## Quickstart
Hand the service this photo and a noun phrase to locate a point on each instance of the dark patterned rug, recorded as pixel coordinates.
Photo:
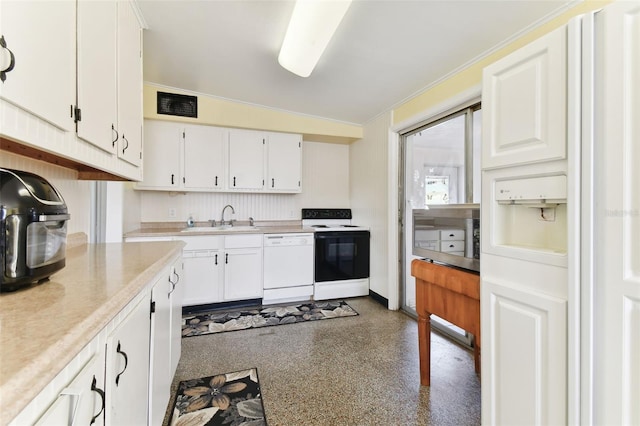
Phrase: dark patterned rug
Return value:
(265, 316)
(224, 399)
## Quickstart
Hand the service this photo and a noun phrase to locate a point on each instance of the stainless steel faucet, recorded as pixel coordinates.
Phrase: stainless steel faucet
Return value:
(222, 222)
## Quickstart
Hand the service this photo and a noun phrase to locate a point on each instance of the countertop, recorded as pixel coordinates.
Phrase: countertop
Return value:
(43, 327)
(172, 229)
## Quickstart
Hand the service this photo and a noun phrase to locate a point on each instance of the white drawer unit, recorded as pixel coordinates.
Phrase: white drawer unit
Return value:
(452, 235)
(452, 246)
(443, 240)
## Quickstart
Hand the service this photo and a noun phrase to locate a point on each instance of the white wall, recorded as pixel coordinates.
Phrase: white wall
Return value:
(76, 193)
(368, 166)
(325, 183)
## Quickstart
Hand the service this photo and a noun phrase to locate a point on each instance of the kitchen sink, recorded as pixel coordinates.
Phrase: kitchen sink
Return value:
(221, 229)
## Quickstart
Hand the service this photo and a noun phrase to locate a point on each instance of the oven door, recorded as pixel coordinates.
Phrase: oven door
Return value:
(341, 255)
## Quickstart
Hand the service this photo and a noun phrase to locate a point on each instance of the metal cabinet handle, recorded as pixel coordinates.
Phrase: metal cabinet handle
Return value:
(12, 60)
(126, 142)
(172, 179)
(273, 182)
(226, 258)
(173, 283)
(100, 392)
(234, 181)
(216, 261)
(126, 362)
(113, 129)
(216, 184)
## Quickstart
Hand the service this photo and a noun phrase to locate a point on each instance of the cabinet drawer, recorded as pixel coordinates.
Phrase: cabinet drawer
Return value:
(450, 246)
(427, 235)
(243, 241)
(451, 234)
(429, 245)
(204, 242)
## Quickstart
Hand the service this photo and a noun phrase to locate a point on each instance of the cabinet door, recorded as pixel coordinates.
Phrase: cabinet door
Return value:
(614, 235)
(284, 165)
(246, 160)
(243, 274)
(129, 85)
(203, 272)
(83, 401)
(160, 378)
(96, 58)
(41, 36)
(177, 281)
(161, 155)
(127, 368)
(524, 379)
(524, 98)
(204, 157)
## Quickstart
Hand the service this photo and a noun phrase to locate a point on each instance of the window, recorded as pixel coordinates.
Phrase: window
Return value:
(442, 160)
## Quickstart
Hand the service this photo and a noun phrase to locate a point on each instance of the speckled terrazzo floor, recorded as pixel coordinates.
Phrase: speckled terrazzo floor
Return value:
(360, 370)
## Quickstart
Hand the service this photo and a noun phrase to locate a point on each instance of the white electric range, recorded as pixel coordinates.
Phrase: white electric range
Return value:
(341, 265)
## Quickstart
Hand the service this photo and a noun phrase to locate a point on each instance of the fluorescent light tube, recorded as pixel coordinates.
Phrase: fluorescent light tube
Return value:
(312, 25)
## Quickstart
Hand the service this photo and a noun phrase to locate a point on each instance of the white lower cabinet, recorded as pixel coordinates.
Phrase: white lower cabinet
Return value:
(160, 350)
(177, 281)
(203, 268)
(123, 375)
(82, 402)
(242, 267)
(222, 268)
(127, 368)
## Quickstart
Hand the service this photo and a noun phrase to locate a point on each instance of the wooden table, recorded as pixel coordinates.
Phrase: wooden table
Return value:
(451, 294)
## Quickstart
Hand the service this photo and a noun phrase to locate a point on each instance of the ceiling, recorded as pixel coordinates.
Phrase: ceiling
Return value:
(383, 52)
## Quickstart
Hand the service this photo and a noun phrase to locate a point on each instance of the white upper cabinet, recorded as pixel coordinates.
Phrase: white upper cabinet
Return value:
(284, 162)
(110, 78)
(97, 123)
(163, 153)
(204, 157)
(129, 85)
(524, 102)
(41, 38)
(195, 157)
(246, 160)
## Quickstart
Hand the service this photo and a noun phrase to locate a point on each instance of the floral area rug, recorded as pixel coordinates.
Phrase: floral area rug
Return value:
(225, 399)
(217, 322)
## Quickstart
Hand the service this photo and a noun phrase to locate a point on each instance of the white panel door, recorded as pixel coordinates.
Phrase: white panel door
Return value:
(204, 157)
(243, 274)
(41, 36)
(284, 162)
(524, 356)
(202, 277)
(617, 216)
(127, 369)
(162, 155)
(96, 56)
(246, 160)
(524, 104)
(129, 85)
(177, 281)
(160, 353)
(82, 402)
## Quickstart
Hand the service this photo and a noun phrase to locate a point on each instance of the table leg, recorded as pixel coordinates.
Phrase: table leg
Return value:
(476, 355)
(424, 345)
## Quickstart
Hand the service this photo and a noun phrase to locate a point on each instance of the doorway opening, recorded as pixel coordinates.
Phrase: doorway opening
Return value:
(439, 164)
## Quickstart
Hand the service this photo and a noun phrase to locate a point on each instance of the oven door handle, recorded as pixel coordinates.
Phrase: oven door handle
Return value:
(53, 217)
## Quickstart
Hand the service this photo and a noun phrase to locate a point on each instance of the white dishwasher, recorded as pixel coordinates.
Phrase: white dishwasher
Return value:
(288, 267)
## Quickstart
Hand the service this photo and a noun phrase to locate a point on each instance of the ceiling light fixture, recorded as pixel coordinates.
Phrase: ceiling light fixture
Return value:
(312, 25)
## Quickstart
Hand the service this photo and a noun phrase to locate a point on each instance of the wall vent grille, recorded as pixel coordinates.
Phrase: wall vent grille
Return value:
(174, 104)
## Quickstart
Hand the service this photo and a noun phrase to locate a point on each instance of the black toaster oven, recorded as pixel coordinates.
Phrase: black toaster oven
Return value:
(33, 229)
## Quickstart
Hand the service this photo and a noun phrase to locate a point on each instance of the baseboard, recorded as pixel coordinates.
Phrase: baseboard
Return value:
(222, 305)
(380, 299)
